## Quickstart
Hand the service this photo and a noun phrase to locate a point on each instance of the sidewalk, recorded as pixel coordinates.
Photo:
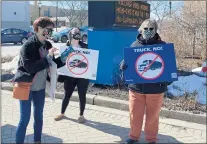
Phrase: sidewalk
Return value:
(104, 125)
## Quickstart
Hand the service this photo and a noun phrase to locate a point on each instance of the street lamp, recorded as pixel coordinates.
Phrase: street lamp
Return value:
(56, 15)
(39, 5)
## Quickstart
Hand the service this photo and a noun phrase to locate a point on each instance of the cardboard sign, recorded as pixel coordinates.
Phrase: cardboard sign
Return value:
(150, 64)
(80, 64)
(51, 86)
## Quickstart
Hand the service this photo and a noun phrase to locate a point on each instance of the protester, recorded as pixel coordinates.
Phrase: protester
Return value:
(70, 83)
(148, 96)
(36, 55)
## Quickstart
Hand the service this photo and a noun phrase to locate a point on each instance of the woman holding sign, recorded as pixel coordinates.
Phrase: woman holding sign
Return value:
(36, 55)
(70, 83)
(148, 96)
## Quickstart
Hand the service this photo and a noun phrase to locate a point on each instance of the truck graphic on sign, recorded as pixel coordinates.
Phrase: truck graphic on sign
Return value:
(154, 66)
(77, 63)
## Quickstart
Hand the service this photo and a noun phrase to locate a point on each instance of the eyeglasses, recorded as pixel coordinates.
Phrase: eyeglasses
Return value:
(151, 29)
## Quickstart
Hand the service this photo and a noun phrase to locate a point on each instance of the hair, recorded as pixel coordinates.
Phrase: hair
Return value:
(42, 22)
(152, 22)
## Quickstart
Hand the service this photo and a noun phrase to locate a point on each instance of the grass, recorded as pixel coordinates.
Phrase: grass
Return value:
(188, 64)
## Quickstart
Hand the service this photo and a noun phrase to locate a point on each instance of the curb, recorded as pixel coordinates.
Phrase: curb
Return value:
(123, 105)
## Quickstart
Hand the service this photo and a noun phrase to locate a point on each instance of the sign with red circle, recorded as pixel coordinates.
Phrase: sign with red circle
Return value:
(77, 64)
(149, 66)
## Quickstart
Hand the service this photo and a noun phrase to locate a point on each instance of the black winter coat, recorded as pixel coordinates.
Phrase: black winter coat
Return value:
(30, 61)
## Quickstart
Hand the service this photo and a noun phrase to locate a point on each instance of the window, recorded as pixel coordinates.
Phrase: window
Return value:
(46, 13)
(16, 31)
(7, 31)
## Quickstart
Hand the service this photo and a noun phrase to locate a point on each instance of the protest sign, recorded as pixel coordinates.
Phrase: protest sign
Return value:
(150, 64)
(51, 86)
(82, 63)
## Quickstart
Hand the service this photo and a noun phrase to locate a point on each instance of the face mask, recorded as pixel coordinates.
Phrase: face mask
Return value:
(148, 33)
(76, 36)
(46, 32)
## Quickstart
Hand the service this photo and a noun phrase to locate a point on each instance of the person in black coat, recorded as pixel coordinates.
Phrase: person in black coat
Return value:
(36, 55)
(147, 96)
(70, 82)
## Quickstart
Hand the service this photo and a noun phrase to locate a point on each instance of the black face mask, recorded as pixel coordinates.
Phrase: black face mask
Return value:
(77, 36)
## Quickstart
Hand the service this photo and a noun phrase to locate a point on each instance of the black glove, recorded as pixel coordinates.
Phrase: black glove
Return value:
(123, 66)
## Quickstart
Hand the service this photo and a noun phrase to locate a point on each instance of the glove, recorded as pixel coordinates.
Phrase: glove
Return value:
(66, 53)
(123, 66)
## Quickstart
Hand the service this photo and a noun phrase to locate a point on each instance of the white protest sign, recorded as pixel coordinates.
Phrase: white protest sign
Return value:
(82, 63)
(51, 86)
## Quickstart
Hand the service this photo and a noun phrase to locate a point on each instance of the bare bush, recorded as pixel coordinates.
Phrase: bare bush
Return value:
(186, 28)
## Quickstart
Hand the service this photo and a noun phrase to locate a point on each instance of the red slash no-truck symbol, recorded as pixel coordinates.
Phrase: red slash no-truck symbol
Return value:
(77, 64)
(149, 66)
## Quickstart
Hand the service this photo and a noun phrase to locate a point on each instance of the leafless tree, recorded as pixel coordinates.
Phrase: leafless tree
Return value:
(82, 12)
(192, 20)
(74, 11)
(159, 10)
(70, 9)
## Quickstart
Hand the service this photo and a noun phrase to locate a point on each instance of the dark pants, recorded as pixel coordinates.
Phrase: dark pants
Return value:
(69, 86)
(38, 98)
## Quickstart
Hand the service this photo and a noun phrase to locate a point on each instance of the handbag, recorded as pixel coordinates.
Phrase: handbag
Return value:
(21, 90)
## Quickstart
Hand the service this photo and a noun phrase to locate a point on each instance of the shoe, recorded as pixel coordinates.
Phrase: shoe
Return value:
(37, 142)
(131, 141)
(81, 119)
(59, 117)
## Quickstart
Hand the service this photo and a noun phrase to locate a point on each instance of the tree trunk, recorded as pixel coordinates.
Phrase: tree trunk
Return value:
(194, 40)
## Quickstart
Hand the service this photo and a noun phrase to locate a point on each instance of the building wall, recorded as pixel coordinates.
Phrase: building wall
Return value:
(50, 11)
(15, 14)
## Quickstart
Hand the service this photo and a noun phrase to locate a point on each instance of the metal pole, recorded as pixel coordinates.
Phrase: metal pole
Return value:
(170, 7)
(56, 15)
(39, 11)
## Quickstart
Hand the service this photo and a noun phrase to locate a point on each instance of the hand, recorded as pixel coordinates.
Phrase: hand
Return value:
(66, 53)
(52, 51)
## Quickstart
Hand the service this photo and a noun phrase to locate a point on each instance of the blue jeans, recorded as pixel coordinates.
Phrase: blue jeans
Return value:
(38, 98)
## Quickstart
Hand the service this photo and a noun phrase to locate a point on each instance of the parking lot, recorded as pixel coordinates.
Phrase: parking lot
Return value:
(13, 50)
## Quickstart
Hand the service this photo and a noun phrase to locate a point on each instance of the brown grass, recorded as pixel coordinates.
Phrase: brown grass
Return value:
(188, 64)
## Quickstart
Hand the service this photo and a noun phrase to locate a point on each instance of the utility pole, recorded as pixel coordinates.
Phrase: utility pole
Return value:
(170, 7)
(56, 15)
(40, 5)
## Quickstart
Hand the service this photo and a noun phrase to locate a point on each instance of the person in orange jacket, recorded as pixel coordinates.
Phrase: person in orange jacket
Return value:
(145, 97)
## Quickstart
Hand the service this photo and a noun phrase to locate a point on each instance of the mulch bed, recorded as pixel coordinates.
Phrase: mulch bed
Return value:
(184, 103)
(187, 104)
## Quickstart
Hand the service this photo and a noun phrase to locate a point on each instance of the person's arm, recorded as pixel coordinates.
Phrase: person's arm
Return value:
(58, 61)
(29, 65)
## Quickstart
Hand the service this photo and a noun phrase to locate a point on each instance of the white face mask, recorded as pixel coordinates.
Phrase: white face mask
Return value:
(148, 33)
(148, 30)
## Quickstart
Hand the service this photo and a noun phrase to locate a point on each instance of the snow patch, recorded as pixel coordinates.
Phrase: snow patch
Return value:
(189, 84)
(11, 66)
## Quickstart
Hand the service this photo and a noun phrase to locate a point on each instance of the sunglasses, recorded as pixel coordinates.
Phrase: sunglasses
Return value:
(151, 29)
(49, 29)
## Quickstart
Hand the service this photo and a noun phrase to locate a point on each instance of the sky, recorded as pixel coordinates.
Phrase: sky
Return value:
(175, 5)
(49, 3)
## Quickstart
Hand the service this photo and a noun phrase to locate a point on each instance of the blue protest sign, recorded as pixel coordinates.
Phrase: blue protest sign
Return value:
(150, 64)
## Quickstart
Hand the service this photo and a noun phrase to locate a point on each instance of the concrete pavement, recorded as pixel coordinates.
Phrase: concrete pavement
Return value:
(104, 125)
